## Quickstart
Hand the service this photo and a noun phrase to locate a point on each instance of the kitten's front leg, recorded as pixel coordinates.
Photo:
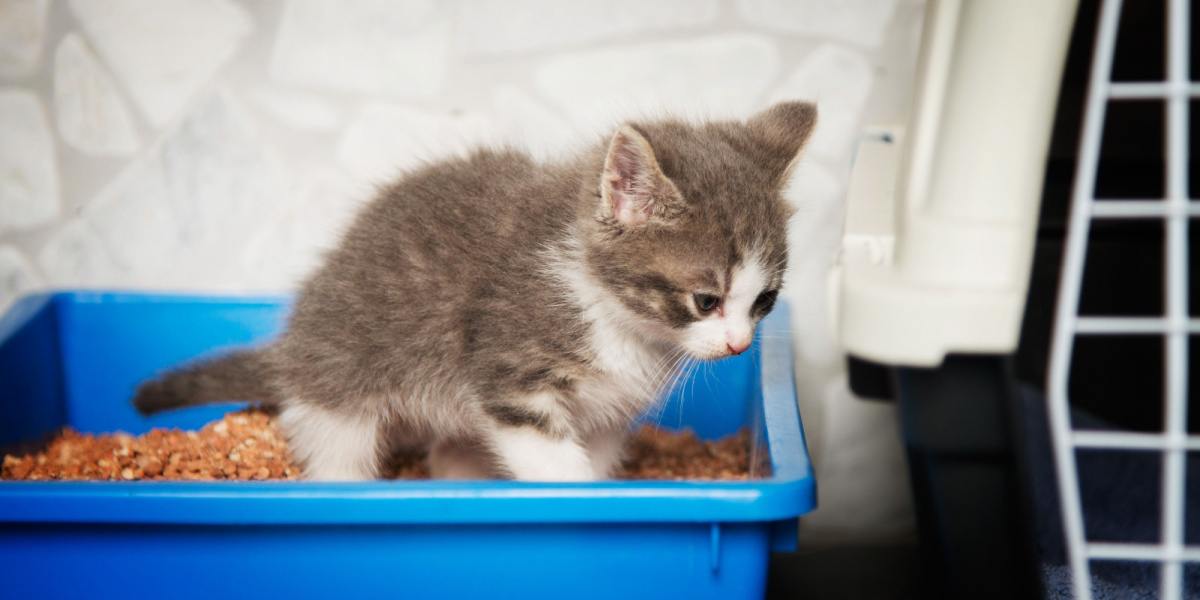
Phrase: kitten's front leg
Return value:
(332, 445)
(606, 450)
(530, 454)
(532, 441)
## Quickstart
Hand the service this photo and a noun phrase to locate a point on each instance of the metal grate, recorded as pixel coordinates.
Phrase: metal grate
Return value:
(1174, 326)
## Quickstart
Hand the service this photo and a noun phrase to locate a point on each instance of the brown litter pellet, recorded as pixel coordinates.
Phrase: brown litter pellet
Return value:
(655, 453)
(247, 445)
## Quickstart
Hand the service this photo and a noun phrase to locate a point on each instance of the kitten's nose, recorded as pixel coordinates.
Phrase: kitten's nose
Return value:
(738, 349)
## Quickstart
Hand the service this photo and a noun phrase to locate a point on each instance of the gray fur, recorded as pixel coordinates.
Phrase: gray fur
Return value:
(241, 375)
(441, 310)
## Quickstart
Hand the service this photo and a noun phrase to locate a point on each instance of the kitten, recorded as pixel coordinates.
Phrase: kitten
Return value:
(516, 318)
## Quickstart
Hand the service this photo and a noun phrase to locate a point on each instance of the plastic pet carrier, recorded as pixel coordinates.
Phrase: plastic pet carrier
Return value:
(1025, 292)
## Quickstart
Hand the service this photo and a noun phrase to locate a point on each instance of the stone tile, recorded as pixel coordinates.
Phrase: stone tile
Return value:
(17, 276)
(383, 140)
(28, 166)
(164, 51)
(839, 80)
(525, 122)
(397, 48)
(290, 247)
(717, 76)
(859, 22)
(299, 110)
(22, 33)
(76, 257)
(181, 214)
(491, 26)
(92, 116)
(133, 218)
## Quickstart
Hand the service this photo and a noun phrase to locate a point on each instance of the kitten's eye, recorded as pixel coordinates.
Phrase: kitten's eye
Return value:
(765, 301)
(706, 302)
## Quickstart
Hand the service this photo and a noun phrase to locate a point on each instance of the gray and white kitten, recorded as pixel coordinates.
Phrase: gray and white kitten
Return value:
(515, 318)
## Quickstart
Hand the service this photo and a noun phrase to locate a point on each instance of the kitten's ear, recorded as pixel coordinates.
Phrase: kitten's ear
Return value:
(783, 130)
(633, 189)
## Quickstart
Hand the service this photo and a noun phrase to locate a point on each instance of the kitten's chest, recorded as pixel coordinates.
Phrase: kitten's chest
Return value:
(624, 380)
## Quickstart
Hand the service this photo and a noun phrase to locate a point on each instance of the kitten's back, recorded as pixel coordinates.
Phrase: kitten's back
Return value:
(449, 243)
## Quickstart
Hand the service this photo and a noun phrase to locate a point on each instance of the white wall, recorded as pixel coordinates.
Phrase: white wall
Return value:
(218, 145)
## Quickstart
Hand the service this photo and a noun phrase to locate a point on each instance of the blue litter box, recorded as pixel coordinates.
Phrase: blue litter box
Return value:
(74, 359)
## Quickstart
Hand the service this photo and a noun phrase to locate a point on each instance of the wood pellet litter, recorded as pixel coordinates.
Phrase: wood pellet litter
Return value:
(247, 445)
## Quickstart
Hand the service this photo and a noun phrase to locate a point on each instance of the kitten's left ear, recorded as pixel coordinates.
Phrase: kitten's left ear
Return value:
(783, 130)
(633, 188)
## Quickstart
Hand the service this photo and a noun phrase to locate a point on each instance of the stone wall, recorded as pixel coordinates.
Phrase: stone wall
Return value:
(219, 145)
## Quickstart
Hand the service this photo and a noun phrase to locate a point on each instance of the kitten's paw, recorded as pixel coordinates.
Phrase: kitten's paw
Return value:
(530, 455)
(606, 451)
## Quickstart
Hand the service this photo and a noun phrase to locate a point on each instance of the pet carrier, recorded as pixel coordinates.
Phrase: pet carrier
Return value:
(937, 294)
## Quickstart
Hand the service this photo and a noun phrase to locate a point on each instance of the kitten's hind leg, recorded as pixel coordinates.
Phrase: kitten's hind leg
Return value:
(331, 445)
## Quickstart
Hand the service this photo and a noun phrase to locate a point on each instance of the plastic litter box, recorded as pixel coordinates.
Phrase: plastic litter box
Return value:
(74, 359)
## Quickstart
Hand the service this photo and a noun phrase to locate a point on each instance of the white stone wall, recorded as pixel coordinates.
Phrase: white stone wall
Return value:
(219, 145)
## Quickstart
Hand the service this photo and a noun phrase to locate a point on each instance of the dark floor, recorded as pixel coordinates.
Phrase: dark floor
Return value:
(879, 572)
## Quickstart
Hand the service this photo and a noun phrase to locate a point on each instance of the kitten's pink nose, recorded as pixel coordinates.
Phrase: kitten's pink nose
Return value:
(739, 348)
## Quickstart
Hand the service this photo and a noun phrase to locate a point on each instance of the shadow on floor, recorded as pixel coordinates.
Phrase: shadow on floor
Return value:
(877, 572)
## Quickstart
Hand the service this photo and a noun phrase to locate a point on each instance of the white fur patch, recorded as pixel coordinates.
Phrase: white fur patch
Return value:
(533, 456)
(733, 325)
(331, 445)
(605, 450)
(627, 352)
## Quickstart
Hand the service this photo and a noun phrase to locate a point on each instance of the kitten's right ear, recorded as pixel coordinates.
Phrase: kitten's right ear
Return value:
(633, 188)
(783, 130)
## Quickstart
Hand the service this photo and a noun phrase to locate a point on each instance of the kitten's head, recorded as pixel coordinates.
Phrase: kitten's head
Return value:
(689, 230)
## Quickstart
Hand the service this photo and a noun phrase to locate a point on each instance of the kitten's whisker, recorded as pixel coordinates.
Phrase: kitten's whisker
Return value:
(707, 374)
(658, 380)
(691, 369)
(662, 369)
(673, 380)
(676, 376)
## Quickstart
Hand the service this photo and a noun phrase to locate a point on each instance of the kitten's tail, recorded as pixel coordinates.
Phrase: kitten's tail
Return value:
(239, 375)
